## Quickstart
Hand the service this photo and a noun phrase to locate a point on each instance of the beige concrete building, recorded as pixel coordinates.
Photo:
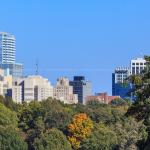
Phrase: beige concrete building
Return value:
(35, 88)
(17, 94)
(5, 82)
(64, 92)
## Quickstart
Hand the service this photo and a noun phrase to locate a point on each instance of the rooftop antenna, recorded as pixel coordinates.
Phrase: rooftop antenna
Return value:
(37, 68)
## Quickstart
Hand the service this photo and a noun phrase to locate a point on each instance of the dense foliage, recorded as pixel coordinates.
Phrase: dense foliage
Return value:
(53, 125)
(79, 129)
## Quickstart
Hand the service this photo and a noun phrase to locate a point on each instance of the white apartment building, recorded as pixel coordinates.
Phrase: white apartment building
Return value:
(34, 88)
(64, 92)
(137, 65)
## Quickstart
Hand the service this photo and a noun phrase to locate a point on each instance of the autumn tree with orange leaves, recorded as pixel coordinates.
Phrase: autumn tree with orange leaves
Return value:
(79, 129)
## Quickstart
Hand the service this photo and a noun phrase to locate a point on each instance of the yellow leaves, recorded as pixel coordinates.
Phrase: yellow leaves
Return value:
(74, 142)
(79, 129)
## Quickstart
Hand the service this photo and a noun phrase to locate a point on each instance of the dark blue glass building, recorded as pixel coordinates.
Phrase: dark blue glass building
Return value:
(82, 88)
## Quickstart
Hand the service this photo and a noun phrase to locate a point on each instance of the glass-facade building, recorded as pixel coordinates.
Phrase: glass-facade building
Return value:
(119, 86)
(16, 69)
(7, 48)
(82, 88)
(7, 55)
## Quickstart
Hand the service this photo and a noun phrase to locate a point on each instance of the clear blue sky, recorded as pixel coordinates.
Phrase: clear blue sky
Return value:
(77, 37)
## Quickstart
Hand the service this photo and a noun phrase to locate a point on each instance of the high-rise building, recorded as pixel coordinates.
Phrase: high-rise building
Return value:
(64, 92)
(7, 55)
(82, 88)
(119, 86)
(7, 48)
(137, 65)
(33, 88)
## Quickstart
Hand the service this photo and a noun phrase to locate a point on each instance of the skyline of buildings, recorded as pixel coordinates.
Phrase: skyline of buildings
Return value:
(34, 87)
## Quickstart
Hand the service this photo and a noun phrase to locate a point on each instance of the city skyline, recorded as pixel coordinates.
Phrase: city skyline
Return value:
(67, 46)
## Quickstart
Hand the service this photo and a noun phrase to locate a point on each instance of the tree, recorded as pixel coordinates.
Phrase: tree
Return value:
(56, 114)
(79, 129)
(129, 132)
(7, 117)
(140, 109)
(141, 91)
(11, 140)
(29, 114)
(102, 138)
(118, 102)
(52, 139)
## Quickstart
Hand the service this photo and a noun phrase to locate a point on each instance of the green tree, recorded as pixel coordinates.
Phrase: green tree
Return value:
(129, 132)
(7, 117)
(118, 102)
(102, 138)
(52, 139)
(140, 109)
(11, 140)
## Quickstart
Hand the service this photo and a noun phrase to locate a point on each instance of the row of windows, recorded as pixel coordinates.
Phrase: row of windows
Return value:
(137, 68)
(139, 63)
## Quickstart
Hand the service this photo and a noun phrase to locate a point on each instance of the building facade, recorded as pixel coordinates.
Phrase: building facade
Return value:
(137, 65)
(7, 48)
(82, 88)
(5, 83)
(64, 92)
(16, 70)
(8, 56)
(16, 94)
(119, 85)
(33, 88)
(102, 98)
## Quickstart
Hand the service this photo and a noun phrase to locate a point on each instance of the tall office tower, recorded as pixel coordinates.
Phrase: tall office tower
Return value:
(137, 65)
(82, 88)
(64, 92)
(119, 87)
(7, 55)
(7, 48)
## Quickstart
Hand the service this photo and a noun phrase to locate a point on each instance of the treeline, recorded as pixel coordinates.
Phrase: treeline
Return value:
(52, 125)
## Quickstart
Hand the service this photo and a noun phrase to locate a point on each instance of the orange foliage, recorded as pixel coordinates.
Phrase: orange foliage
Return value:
(79, 129)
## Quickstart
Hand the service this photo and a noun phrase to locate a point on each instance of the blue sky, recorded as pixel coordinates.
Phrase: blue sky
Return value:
(77, 37)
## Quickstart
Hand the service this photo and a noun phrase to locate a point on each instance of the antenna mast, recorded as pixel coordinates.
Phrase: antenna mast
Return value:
(37, 68)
